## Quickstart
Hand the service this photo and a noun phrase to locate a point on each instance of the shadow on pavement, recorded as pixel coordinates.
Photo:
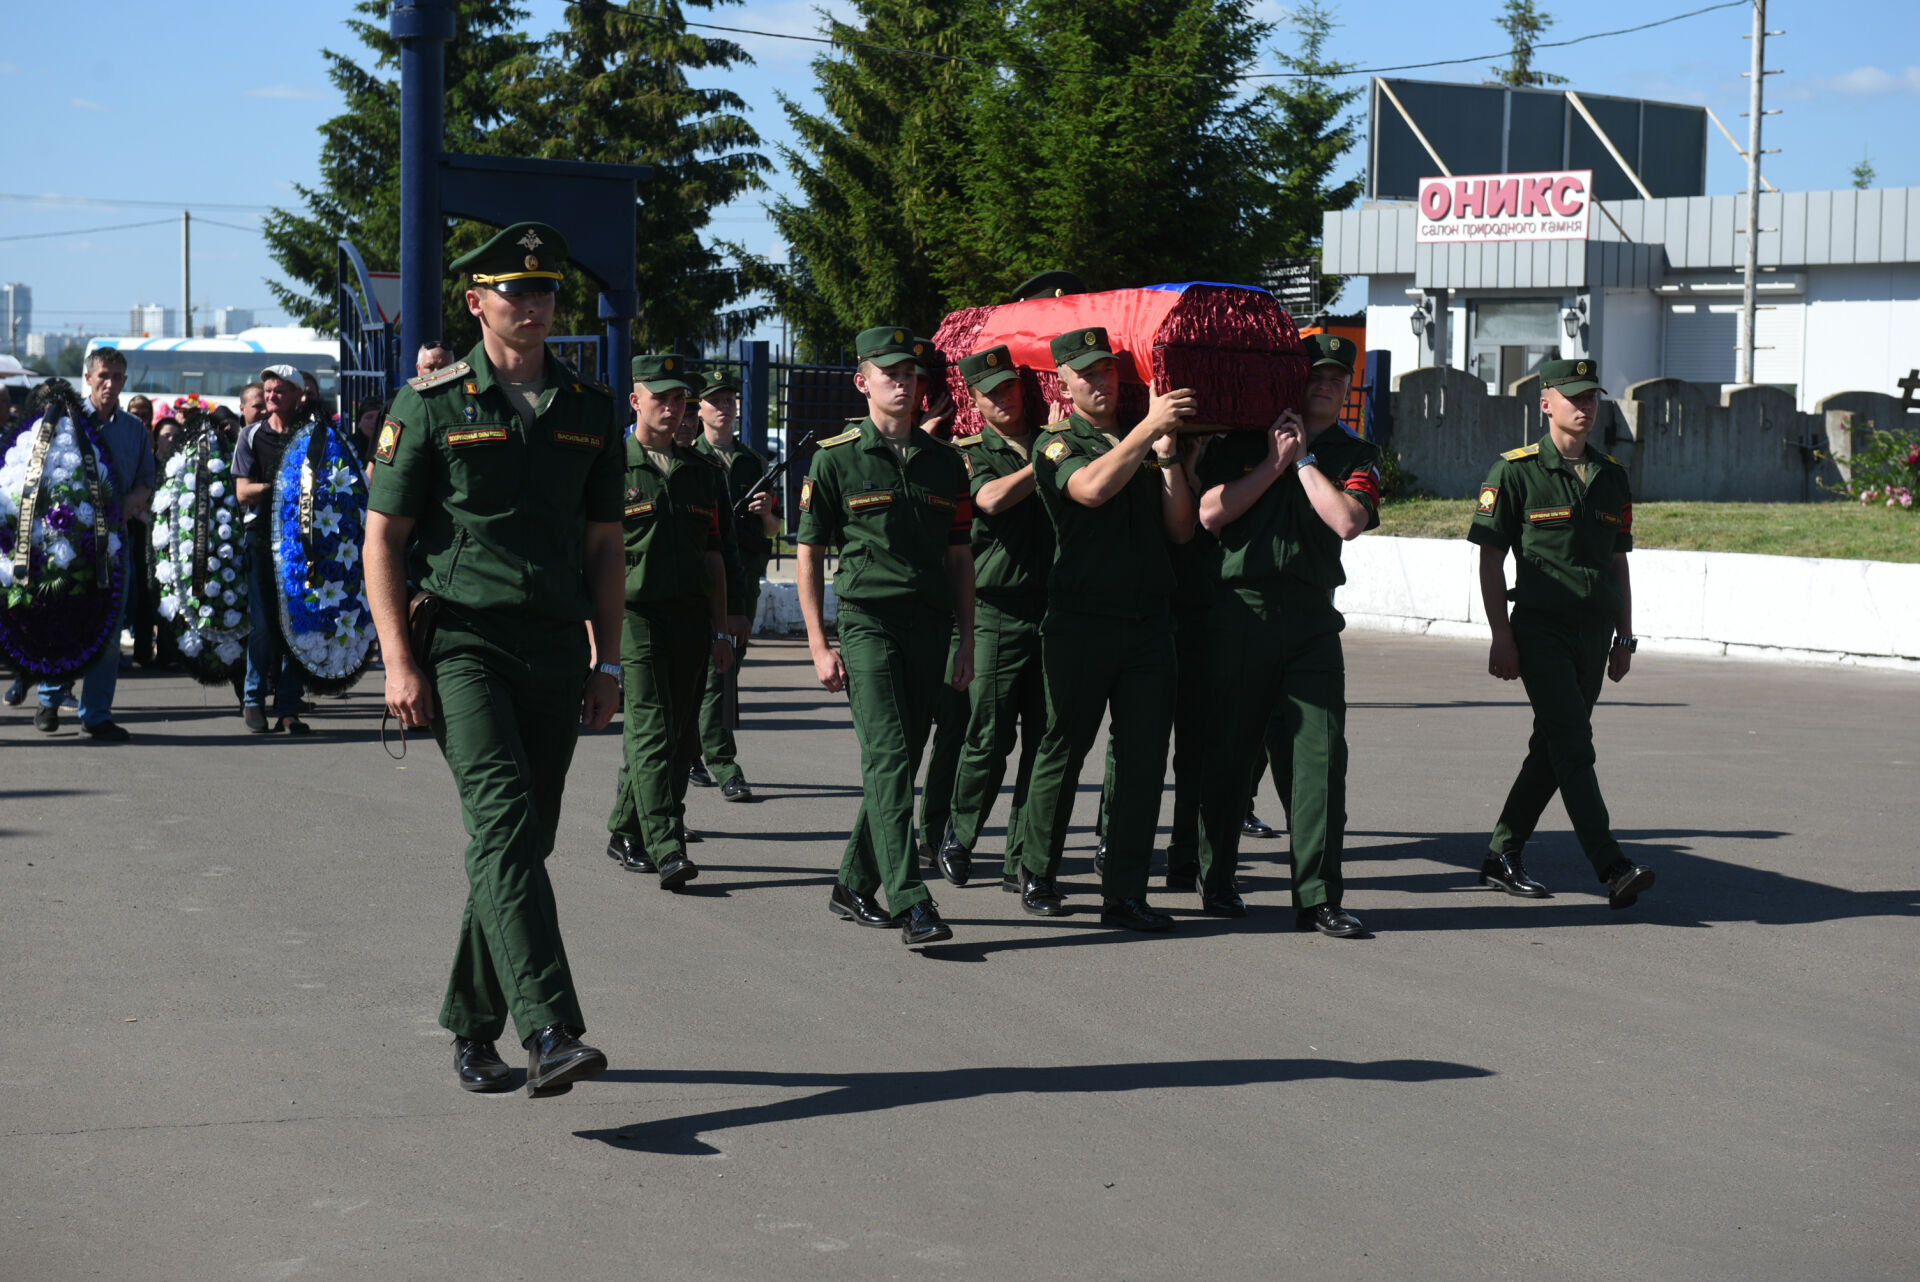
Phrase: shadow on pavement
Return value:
(843, 1094)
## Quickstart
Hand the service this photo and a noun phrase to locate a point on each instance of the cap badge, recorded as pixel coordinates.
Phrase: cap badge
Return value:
(667, 364)
(899, 335)
(1089, 340)
(1581, 368)
(993, 358)
(531, 240)
(531, 262)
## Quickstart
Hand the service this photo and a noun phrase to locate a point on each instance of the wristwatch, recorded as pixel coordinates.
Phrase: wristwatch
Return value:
(1302, 461)
(610, 669)
(724, 636)
(1631, 643)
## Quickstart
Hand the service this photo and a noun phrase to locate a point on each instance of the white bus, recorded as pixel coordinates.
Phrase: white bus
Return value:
(217, 368)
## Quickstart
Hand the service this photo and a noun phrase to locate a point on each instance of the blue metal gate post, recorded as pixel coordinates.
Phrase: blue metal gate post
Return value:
(1378, 412)
(618, 307)
(755, 390)
(423, 28)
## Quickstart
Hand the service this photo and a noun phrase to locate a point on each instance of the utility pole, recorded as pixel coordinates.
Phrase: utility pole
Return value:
(186, 273)
(1756, 96)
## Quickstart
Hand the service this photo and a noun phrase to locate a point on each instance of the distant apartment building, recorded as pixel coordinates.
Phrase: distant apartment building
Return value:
(16, 310)
(154, 320)
(231, 320)
(46, 343)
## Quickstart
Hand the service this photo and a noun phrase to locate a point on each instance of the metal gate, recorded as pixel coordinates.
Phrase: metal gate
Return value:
(369, 347)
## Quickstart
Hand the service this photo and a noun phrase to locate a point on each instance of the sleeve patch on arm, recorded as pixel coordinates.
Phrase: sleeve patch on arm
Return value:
(1489, 495)
(1366, 484)
(806, 495)
(389, 440)
(1056, 450)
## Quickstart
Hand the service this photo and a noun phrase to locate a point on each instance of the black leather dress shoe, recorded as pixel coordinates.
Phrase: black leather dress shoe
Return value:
(556, 1059)
(1183, 879)
(1134, 914)
(676, 870)
(921, 924)
(735, 789)
(689, 836)
(698, 776)
(1100, 858)
(629, 854)
(1329, 920)
(107, 732)
(956, 861)
(1252, 827)
(1040, 895)
(1223, 903)
(480, 1067)
(1625, 881)
(864, 909)
(1506, 872)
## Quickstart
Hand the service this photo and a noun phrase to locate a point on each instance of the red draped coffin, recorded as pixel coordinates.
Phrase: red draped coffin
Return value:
(1235, 347)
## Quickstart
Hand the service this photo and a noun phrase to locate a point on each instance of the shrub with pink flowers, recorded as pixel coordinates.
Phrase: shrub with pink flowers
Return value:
(1885, 471)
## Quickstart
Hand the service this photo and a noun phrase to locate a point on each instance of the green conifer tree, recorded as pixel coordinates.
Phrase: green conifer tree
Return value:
(1524, 25)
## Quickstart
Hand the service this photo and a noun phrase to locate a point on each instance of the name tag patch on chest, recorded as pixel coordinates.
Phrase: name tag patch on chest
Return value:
(940, 501)
(583, 440)
(476, 435)
(640, 509)
(856, 502)
(1549, 515)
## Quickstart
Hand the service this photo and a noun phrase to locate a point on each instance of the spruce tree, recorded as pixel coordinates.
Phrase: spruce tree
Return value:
(1305, 139)
(1524, 25)
(358, 195)
(611, 86)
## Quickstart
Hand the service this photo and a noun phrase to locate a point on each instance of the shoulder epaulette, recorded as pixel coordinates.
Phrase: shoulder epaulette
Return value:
(962, 442)
(841, 439)
(457, 370)
(1605, 457)
(1525, 451)
(1061, 426)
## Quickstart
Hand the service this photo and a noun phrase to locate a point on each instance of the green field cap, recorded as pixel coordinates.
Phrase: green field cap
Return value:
(1331, 349)
(662, 371)
(1571, 378)
(719, 380)
(526, 258)
(1080, 348)
(986, 370)
(886, 345)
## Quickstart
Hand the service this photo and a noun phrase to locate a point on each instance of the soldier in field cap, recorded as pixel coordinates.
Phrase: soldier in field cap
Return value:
(895, 500)
(503, 473)
(1563, 509)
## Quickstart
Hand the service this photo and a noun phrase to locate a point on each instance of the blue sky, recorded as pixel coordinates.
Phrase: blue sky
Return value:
(214, 105)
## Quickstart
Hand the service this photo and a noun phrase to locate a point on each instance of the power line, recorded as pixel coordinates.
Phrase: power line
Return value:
(111, 201)
(88, 231)
(1185, 75)
(214, 222)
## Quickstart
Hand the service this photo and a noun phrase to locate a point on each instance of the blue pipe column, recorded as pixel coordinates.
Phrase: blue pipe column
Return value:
(423, 28)
(754, 389)
(618, 307)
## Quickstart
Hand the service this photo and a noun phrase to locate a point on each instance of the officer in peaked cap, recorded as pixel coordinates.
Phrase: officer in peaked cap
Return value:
(1564, 510)
(895, 500)
(504, 472)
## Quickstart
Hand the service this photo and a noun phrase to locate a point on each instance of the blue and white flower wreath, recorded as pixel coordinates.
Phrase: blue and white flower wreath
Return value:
(319, 513)
(197, 557)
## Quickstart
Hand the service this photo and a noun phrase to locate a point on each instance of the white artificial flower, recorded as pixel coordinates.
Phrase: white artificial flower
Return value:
(185, 548)
(176, 465)
(330, 595)
(225, 532)
(226, 573)
(346, 628)
(217, 488)
(327, 522)
(6, 572)
(191, 644)
(162, 502)
(205, 612)
(113, 545)
(83, 512)
(231, 619)
(170, 604)
(166, 572)
(61, 553)
(9, 506)
(230, 596)
(349, 555)
(216, 466)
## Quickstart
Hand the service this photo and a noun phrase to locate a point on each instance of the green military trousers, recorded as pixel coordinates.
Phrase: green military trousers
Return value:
(895, 656)
(1009, 685)
(665, 653)
(506, 716)
(951, 711)
(1562, 665)
(1094, 663)
(716, 736)
(1277, 657)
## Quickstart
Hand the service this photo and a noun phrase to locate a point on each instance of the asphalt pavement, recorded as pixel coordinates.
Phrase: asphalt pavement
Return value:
(224, 955)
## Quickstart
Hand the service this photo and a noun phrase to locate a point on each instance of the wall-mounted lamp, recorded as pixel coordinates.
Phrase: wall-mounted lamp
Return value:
(1574, 317)
(1421, 318)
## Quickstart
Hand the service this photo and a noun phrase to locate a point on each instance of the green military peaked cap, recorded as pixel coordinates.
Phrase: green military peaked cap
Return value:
(1331, 349)
(719, 380)
(1080, 348)
(1572, 377)
(986, 370)
(662, 371)
(525, 258)
(886, 345)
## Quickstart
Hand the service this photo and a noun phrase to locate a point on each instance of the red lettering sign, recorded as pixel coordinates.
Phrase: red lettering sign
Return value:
(1504, 207)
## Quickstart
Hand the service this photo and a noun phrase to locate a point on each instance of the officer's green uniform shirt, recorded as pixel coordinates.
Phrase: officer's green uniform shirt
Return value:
(1280, 541)
(743, 468)
(1112, 559)
(893, 518)
(670, 522)
(1012, 548)
(716, 469)
(1563, 533)
(501, 507)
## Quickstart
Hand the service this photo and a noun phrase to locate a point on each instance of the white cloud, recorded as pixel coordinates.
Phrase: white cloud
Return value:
(295, 92)
(87, 104)
(1862, 82)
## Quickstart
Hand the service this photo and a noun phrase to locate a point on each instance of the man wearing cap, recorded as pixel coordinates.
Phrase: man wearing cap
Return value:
(719, 411)
(271, 668)
(895, 500)
(1281, 503)
(505, 471)
(1012, 555)
(1115, 503)
(675, 621)
(1564, 510)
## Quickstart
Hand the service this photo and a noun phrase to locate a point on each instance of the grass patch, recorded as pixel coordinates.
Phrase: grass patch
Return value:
(1843, 531)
